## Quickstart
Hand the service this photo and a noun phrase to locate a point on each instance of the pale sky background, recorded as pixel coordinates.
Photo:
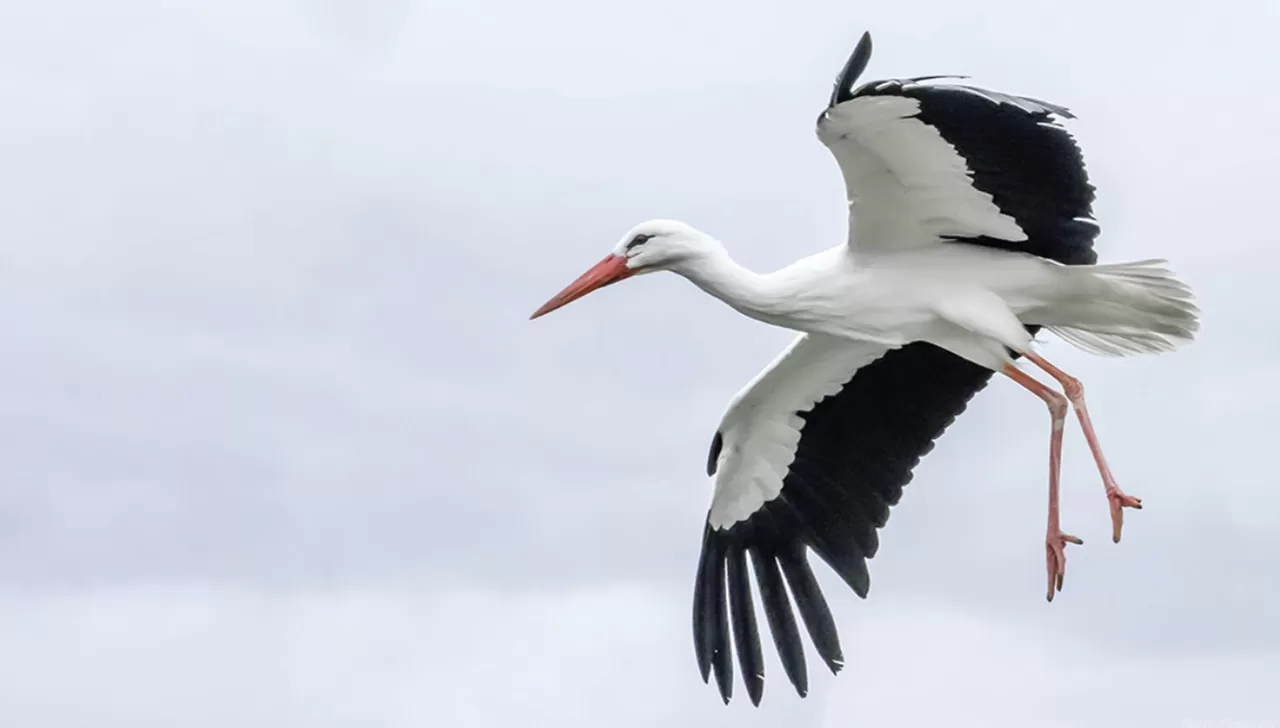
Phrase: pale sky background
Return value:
(278, 446)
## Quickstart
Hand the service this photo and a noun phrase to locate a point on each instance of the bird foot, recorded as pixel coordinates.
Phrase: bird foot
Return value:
(1055, 542)
(1119, 500)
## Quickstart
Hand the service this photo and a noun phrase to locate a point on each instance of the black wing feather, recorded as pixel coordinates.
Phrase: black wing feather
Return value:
(746, 636)
(782, 623)
(853, 68)
(713, 456)
(823, 497)
(818, 621)
(710, 622)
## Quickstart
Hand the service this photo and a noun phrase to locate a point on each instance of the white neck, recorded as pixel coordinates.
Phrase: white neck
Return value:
(745, 290)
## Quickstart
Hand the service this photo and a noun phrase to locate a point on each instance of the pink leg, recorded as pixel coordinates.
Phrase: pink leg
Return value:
(1055, 540)
(1117, 498)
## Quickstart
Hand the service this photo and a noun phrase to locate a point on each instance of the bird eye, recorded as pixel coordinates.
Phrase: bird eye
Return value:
(638, 240)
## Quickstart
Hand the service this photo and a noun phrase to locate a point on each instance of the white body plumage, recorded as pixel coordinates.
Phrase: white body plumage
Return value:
(967, 299)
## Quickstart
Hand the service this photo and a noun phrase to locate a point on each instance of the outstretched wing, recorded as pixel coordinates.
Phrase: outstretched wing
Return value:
(926, 161)
(809, 457)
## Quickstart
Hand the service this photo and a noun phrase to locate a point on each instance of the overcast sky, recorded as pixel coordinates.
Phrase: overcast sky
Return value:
(278, 446)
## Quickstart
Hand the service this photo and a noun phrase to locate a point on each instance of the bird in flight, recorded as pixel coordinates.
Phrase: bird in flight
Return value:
(970, 231)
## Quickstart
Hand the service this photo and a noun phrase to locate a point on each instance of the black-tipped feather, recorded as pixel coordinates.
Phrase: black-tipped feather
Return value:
(722, 659)
(782, 622)
(713, 456)
(743, 612)
(853, 68)
(704, 637)
(812, 606)
(710, 619)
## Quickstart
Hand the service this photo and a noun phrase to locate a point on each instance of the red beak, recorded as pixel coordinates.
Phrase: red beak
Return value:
(610, 270)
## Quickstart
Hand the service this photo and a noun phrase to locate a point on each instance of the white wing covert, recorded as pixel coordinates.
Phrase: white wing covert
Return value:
(926, 162)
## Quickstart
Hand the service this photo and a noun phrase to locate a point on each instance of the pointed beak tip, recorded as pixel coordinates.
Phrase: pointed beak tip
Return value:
(610, 270)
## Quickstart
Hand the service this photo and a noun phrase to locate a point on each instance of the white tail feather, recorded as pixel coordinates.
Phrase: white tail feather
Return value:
(1121, 309)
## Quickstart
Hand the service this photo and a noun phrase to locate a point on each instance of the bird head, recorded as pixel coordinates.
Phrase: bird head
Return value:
(650, 246)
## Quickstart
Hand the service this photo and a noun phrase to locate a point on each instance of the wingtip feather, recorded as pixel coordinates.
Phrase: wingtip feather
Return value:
(853, 68)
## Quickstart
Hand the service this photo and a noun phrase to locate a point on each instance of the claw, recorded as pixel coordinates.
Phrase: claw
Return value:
(1119, 500)
(1056, 558)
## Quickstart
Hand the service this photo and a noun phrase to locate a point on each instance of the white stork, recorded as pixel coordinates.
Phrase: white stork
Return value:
(970, 230)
